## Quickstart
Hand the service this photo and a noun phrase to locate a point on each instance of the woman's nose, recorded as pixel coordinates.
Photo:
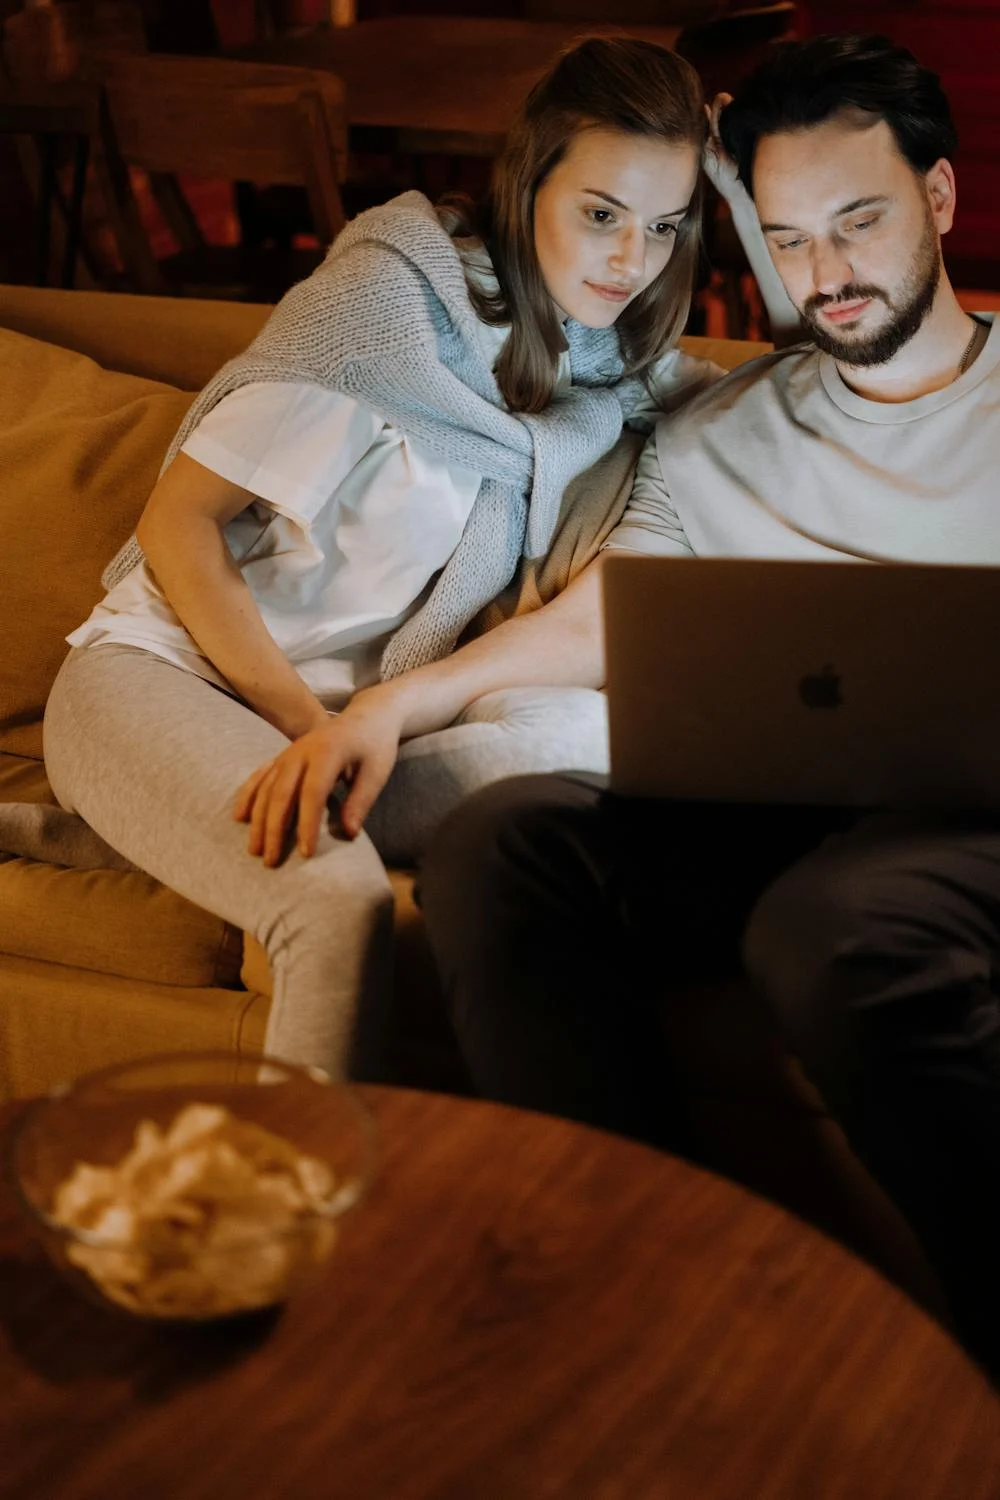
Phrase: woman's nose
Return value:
(628, 256)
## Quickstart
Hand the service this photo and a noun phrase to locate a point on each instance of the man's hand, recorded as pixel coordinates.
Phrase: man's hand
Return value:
(716, 163)
(357, 748)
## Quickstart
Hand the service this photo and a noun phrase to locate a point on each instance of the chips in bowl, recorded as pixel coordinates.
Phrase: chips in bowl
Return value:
(193, 1186)
(214, 1215)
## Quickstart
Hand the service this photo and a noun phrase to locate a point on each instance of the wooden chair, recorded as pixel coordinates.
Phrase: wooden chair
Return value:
(216, 118)
(53, 114)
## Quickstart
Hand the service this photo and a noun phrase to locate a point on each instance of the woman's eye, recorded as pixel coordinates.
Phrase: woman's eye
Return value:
(599, 215)
(664, 230)
(863, 224)
(788, 244)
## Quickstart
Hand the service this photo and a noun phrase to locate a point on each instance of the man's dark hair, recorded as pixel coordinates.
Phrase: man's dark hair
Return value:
(804, 83)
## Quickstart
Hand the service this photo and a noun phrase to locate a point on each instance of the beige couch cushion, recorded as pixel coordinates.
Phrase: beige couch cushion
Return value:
(107, 921)
(80, 448)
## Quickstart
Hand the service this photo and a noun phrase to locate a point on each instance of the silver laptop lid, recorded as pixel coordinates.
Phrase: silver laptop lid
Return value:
(829, 683)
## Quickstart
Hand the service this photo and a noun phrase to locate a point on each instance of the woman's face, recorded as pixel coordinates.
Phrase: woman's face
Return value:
(606, 218)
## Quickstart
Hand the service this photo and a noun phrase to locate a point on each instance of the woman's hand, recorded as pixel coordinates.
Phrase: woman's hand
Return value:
(357, 748)
(716, 163)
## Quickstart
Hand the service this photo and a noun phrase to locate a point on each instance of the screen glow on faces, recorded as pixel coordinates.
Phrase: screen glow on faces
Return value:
(606, 218)
(854, 233)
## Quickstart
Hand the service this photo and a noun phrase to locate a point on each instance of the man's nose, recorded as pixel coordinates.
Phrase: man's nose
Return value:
(628, 255)
(831, 266)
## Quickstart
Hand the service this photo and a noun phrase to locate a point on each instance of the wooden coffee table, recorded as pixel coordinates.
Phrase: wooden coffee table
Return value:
(522, 1308)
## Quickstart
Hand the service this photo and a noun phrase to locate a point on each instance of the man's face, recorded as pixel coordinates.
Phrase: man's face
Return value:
(854, 232)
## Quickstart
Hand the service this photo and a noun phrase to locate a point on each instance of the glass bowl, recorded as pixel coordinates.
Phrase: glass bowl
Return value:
(195, 1185)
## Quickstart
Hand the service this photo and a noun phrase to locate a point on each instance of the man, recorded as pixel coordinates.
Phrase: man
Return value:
(877, 943)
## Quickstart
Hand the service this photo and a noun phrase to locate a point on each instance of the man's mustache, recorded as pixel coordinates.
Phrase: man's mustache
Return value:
(856, 292)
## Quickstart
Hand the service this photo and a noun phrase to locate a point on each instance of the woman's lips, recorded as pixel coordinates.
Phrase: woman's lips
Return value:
(846, 312)
(610, 293)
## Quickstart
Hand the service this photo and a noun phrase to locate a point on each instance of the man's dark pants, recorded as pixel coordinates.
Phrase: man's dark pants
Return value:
(549, 905)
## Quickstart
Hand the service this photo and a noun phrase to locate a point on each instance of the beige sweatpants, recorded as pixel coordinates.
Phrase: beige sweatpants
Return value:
(152, 756)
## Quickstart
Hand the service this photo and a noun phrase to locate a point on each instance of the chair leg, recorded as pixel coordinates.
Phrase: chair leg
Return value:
(74, 212)
(137, 258)
(176, 210)
(47, 147)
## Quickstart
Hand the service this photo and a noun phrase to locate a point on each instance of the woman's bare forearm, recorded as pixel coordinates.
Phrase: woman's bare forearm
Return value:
(196, 571)
(560, 645)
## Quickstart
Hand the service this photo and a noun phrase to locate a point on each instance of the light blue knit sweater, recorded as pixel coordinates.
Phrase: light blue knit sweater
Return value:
(387, 320)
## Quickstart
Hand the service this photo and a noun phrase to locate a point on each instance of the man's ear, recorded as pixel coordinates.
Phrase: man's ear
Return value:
(941, 194)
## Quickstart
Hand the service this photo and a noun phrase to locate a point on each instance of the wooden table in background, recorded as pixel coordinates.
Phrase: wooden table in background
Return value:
(438, 84)
(522, 1308)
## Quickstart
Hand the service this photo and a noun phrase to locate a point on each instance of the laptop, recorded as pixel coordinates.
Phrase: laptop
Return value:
(836, 684)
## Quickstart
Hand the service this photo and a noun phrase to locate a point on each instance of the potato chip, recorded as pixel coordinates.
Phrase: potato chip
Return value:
(211, 1216)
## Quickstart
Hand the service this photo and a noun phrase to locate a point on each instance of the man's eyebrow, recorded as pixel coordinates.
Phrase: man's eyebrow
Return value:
(852, 208)
(838, 213)
(673, 213)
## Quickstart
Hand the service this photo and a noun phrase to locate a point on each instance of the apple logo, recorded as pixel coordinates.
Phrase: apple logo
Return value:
(821, 689)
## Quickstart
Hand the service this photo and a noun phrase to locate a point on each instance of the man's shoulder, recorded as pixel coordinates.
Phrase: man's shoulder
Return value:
(752, 385)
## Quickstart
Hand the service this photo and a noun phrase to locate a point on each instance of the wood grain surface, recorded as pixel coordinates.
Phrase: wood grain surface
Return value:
(523, 1308)
(439, 83)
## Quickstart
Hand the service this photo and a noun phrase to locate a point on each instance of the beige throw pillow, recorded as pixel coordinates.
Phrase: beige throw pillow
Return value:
(80, 449)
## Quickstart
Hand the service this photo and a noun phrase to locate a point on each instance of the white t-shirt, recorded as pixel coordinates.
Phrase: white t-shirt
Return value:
(353, 522)
(782, 459)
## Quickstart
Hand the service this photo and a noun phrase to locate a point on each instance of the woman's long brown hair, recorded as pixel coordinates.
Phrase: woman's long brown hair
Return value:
(610, 83)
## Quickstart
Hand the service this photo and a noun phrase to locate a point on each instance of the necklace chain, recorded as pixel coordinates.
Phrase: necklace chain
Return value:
(970, 347)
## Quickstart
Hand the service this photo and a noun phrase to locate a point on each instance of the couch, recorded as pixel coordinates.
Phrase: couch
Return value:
(101, 965)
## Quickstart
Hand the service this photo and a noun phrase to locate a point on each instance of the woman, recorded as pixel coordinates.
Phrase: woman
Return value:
(344, 497)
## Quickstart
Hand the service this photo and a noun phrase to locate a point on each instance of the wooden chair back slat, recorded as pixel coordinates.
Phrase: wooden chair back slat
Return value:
(217, 118)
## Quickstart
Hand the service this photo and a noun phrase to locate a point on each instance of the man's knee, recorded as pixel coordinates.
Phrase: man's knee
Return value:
(854, 927)
(800, 928)
(505, 832)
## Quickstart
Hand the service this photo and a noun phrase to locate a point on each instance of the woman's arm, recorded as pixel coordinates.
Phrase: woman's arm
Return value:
(560, 644)
(720, 169)
(181, 535)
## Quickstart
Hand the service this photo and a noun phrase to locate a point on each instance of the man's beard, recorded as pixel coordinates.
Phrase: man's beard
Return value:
(908, 309)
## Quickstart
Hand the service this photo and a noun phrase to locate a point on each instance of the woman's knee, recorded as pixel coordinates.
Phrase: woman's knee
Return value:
(505, 735)
(342, 889)
(546, 728)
